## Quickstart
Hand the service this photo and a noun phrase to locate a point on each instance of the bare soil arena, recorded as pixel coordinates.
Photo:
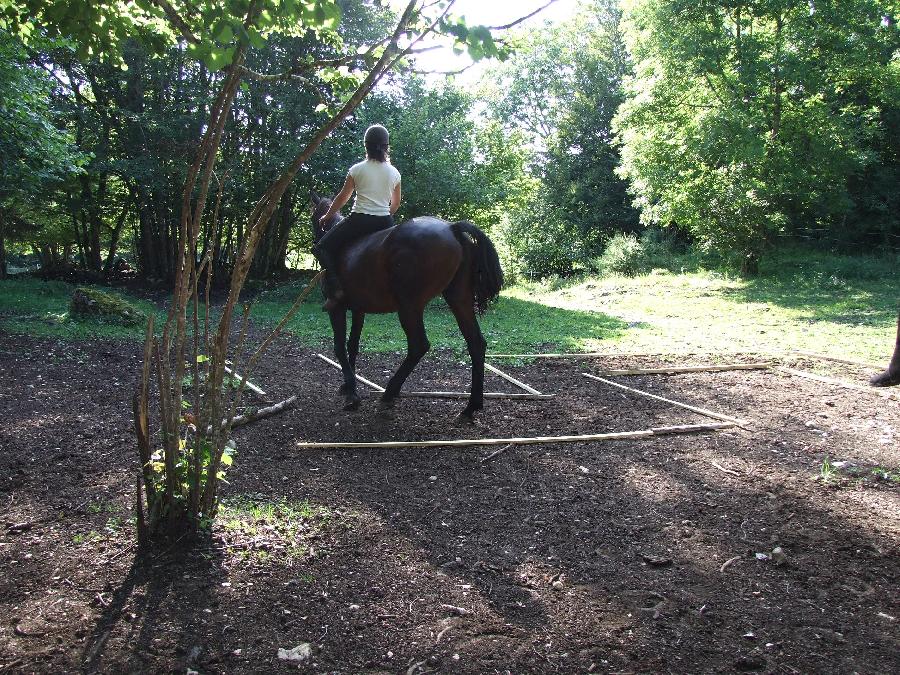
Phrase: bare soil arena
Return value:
(771, 547)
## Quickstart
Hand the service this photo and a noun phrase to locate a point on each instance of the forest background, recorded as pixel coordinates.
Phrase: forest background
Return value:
(609, 142)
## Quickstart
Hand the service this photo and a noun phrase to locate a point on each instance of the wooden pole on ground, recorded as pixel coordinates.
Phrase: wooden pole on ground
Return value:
(360, 378)
(510, 378)
(687, 369)
(702, 411)
(585, 438)
(838, 383)
(593, 355)
(465, 394)
(252, 387)
(826, 357)
(439, 394)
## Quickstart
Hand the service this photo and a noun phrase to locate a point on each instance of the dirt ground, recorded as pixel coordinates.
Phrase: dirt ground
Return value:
(632, 556)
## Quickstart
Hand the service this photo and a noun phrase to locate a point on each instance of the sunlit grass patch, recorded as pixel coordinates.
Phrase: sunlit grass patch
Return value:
(267, 528)
(41, 308)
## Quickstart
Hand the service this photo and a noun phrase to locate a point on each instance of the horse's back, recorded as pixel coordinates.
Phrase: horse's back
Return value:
(409, 263)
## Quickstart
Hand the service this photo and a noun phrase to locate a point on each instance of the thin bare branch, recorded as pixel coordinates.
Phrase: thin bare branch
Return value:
(516, 22)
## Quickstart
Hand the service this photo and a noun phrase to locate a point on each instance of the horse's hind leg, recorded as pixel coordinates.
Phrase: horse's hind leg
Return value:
(348, 388)
(463, 307)
(417, 346)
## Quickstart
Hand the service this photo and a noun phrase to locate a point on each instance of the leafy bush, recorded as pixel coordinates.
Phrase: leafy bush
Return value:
(623, 255)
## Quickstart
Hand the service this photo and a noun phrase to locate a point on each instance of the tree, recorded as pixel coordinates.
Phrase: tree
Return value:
(745, 119)
(35, 155)
(561, 89)
(180, 480)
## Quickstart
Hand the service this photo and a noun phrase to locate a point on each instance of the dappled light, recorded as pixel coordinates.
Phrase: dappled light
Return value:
(255, 257)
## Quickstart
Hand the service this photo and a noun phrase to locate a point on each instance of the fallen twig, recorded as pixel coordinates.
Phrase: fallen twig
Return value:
(458, 611)
(728, 563)
(496, 453)
(722, 468)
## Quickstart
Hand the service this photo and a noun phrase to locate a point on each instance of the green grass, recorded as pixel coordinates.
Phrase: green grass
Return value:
(842, 305)
(41, 308)
(265, 528)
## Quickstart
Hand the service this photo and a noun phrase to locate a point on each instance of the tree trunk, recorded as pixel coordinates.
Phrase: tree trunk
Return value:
(114, 238)
(891, 376)
(2, 247)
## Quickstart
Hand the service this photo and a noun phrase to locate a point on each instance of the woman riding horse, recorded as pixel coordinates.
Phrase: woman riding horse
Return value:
(377, 186)
(399, 269)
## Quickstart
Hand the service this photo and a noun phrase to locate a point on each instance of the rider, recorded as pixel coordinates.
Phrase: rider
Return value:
(377, 186)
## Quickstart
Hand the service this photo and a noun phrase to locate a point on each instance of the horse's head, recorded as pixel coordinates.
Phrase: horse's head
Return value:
(320, 206)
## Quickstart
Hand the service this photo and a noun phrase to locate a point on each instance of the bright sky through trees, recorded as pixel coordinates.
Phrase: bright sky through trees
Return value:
(489, 13)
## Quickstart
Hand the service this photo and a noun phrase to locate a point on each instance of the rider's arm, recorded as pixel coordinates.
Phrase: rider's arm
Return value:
(395, 199)
(342, 198)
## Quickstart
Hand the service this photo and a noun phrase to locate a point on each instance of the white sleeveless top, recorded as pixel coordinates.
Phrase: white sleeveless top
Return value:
(375, 182)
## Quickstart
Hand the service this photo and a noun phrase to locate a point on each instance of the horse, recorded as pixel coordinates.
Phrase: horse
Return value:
(400, 269)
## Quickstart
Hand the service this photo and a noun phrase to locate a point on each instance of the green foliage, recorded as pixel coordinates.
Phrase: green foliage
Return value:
(626, 254)
(564, 86)
(744, 121)
(213, 30)
(35, 154)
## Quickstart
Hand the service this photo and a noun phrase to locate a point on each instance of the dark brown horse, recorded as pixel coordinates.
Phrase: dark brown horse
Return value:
(399, 270)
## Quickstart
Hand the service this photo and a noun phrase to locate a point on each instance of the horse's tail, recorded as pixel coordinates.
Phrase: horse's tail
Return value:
(486, 271)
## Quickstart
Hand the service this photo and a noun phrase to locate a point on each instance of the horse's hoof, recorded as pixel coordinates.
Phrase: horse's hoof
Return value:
(466, 417)
(885, 379)
(386, 403)
(351, 402)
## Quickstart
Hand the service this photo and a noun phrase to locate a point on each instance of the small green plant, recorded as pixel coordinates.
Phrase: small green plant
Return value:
(891, 476)
(269, 529)
(828, 473)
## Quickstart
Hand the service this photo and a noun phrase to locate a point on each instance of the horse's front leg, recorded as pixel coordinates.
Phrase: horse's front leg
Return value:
(348, 388)
(356, 326)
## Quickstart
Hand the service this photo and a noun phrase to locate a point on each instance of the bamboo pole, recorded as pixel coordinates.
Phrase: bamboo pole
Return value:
(439, 394)
(688, 369)
(465, 394)
(696, 409)
(360, 378)
(578, 355)
(536, 440)
(838, 383)
(825, 357)
(252, 387)
(510, 378)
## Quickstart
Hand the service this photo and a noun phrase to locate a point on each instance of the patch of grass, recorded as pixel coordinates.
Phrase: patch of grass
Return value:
(41, 308)
(827, 472)
(839, 305)
(265, 528)
(514, 323)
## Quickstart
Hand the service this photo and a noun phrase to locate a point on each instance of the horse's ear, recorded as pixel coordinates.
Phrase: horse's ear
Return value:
(314, 197)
